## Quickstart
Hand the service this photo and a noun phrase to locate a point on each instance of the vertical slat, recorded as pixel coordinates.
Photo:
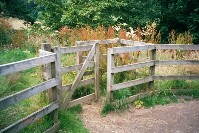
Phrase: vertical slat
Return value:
(47, 68)
(79, 56)
(152, 68)
(110, 76)
(58, 74)
(97, 72)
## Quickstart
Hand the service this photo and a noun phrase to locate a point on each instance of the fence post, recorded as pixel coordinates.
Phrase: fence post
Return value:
(59, 74)
(110, 75)
(97, 72)
(50, 72)
(152, 68)
(47, 68)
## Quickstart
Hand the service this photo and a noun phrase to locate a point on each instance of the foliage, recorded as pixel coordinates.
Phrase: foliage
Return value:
(181, 16)
(5, 33)
(19, 8)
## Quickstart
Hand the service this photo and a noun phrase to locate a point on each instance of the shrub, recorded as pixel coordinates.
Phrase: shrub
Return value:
(5, 33)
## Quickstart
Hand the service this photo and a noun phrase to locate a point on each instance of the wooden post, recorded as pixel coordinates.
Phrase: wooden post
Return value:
(152, 68)
(110, 75)
(97, 72)
(59, 74)
(50, 72)
(47, 68)
(54, 95)
(79, 56)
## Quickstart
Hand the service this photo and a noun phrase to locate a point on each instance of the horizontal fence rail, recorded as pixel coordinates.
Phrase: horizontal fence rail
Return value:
(131, 83)
(132, 66)
(66, 50)
(140, 46)
(15, 127)
(26, 64)
(19, 96)
(91, 42)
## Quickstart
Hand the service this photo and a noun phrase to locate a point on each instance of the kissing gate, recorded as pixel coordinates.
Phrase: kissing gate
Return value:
(53, 71)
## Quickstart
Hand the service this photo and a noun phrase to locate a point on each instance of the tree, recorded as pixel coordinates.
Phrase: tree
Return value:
(19, 8)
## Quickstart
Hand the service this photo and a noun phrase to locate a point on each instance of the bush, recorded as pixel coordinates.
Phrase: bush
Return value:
(5, 33)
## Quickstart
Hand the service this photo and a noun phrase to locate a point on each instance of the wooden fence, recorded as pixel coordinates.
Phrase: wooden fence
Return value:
(24, 94)
(111, 69)
(53, 71)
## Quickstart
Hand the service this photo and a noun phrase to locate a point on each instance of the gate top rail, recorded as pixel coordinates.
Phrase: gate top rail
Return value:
(26, 64)
(145, 46)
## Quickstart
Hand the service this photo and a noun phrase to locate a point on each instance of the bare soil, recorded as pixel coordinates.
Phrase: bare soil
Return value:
(172, 118)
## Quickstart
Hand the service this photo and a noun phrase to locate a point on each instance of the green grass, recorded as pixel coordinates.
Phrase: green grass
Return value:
(70, 121)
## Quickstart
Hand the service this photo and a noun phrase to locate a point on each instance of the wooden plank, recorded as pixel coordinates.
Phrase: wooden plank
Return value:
(79, 76)
(53, 129)
(132, 48)
(177, 47)
(91, 42)
(82, 83)
(86, 73)
(17, 97)
(152, 68)
(97, 72)
(178, 62)
(74, 67)
(46, 69)
(174, 77)
(58, 74)
(110, 76)
(137, 96)
(132, 66)
(66, 50)
(131, 42)
(44, 52)
(81, 100)
(17, 126)
(25, 64)
(131, 83)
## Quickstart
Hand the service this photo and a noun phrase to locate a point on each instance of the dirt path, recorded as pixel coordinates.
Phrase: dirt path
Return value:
(173, 118)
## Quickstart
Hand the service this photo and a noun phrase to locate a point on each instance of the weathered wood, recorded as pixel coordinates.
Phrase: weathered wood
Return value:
(131, 83)
(82, 83)
(152, 68)
(101, 55)
(110, 76)
(46, 50)
(131, 42)
(74, 67)
(81, 100)
(53, 129)
(97, 72)
(17, 97)
(178, 62)
(15, 127)
(134, 97)
(177, 47)
(58, 74)
(132, 66)
(79, 76)
(86, 73)
(25, 64)
(66, 50)
(91, 42)
(132, 49)
(174, 77)
(55, 95)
